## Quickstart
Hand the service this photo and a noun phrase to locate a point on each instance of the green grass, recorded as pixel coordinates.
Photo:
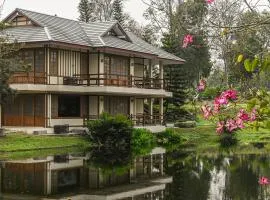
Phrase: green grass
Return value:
(204, 139)
(22, 142)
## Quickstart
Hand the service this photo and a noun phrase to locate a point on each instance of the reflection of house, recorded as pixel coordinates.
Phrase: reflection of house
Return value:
(60, 174)
(80, 70)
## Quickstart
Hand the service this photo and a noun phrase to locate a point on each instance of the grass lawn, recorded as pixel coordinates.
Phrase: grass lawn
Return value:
(204, 139)
(22, 142)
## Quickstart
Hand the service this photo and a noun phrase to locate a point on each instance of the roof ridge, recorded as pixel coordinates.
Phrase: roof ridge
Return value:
(21, 9)
(56, 16)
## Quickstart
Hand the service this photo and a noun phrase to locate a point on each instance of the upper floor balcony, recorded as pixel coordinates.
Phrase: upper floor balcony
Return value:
(72, 68)
(115, 80)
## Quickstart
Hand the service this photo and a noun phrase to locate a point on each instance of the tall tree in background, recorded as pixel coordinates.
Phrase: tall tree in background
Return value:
(118, 13)
(85, 11)
(95, 10)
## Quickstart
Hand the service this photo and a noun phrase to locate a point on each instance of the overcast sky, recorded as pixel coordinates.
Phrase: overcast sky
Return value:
(67, 8)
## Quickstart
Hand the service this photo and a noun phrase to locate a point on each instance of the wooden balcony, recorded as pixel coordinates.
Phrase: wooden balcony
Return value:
(138, 119)
(28, 78)
(115, 80)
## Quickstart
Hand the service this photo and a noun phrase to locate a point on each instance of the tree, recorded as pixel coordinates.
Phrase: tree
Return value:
(85, 11)
(118, 11)
(8, 65)
(95, 10)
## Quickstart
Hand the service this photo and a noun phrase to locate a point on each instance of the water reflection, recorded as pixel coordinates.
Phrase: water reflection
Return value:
(218, 177)
(88, 176)
(113, 174)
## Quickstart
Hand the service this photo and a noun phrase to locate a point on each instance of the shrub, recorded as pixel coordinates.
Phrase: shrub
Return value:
(168, 137)
(142, 142)
(111, 131)
(211, 92)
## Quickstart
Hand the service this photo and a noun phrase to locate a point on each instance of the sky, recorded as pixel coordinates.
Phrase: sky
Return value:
(68, 8)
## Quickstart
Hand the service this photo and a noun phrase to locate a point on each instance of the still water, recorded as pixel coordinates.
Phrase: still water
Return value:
(107, 175)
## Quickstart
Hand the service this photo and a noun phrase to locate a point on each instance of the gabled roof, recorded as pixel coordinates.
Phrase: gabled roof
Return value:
(95, 34)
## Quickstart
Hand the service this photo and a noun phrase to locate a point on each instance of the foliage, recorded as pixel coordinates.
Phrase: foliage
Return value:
(142, 142)
(111, 160)
(118, 11)
(95, 10)
(111, 131)
(85, 11)
(9, 63)
(169, 137)
(210, 93)
(260, 100)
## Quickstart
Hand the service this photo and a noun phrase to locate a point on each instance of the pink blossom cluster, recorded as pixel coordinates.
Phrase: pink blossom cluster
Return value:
(201, 86)
(188, 39)
(209, 1)
(264, 181)
(230, 124)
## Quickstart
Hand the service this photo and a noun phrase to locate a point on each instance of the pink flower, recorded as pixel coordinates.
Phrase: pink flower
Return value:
(209, 1)
(264, 181)
(207, 112)
(230, 94)
(242, 114)
(240, 123)
(188, 39)
(253, 115)
(201, 86)
(216, 108)
(220, 127)
(221, 100)
(231, 125)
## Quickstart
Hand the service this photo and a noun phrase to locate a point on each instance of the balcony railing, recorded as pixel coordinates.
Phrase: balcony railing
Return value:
(138, 119)
(90, 80)
(28, 78)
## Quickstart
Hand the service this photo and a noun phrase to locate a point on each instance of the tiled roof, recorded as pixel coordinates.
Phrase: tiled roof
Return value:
(53, 28)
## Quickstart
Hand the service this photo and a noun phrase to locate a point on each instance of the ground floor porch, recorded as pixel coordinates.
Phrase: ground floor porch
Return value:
(28, 111)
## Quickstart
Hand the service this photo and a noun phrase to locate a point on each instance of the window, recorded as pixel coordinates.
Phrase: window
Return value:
(53, 63)
(33, 60)
(116, 105)
(69, 106)
(116, 65)
(39, 61)
(84, 63)
(27, 57)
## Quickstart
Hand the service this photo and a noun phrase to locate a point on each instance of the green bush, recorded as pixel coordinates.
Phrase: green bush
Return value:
(211, 92)
(142, 142)
(111, 131)
(168, 137)
(186, 124)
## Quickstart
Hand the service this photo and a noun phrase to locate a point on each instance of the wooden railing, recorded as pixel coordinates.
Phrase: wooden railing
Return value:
(138, 119)
(90, 80)
(28, 78)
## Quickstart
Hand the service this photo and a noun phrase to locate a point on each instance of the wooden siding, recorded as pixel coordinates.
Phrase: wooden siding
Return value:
(25, 110)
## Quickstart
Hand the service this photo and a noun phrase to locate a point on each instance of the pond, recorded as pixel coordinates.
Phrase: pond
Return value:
(104, 174)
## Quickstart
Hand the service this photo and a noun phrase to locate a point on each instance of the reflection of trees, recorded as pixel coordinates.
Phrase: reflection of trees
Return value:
(232, 177)
(111, 159)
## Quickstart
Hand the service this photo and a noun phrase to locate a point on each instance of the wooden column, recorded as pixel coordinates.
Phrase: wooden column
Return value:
(101, 69)
(151, 108)
(132, 71)
(49, 109)
(161, 74)
(161, 109)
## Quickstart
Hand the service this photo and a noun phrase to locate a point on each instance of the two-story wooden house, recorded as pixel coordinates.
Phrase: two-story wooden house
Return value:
(79, 70)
